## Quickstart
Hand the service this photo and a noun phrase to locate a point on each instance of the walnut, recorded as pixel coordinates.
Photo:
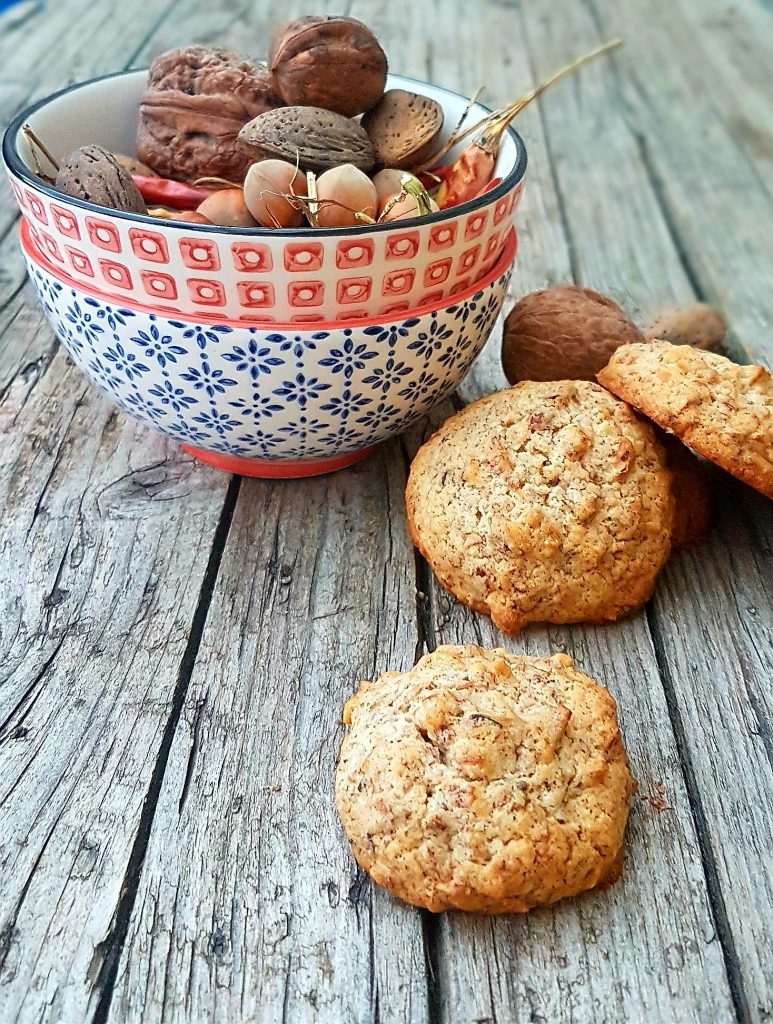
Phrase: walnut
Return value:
(196, 102)
(93, 174)
(563, 333)
(333, 63)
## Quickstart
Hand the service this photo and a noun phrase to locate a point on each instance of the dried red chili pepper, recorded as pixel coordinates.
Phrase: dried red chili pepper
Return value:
(175, 194)
(472, 170)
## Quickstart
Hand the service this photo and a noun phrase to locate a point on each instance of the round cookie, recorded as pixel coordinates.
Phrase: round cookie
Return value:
(484, 781)
(547, 502)
(721, 410)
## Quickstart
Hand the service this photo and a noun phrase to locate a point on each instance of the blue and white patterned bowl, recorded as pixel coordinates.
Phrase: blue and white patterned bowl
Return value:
(272, 400)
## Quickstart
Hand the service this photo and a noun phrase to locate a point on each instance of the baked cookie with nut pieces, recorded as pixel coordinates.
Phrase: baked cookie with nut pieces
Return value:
(721, 410)
(547, 502)
(484, 781)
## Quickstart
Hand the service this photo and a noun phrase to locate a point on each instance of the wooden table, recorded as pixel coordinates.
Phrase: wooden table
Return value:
(176, 645)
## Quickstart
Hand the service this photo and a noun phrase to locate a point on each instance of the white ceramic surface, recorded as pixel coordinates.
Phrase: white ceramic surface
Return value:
(299, 275)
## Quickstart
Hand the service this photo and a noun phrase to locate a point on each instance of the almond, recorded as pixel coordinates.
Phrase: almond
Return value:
(314, 138)
(404, 128)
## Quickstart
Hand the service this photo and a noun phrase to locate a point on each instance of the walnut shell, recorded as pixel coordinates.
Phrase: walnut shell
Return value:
(563, 333)
(333, 63)
(196, 101)
(403, 128)
(698, 325)
(317, 139)
(93, 174)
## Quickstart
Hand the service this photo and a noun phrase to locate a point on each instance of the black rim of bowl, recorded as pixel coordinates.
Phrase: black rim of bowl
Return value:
(17, 166)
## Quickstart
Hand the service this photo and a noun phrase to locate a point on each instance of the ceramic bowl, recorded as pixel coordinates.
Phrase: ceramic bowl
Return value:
(271, 400)
(293, 275)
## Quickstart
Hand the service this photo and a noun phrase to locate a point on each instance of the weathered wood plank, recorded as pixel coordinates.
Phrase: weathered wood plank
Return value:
(105, 535)
(714, 193)
(257, 910)
(272, 920)
(505, 970)
(714, 658)
(105, 538)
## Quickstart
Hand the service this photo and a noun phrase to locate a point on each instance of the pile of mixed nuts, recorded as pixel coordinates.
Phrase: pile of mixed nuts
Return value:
(311, 136)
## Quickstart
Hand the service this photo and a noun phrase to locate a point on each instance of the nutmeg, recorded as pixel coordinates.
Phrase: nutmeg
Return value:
(333, 63)
(698, 324)
(563, 333)
(93, 174)
(310, 137)
(196, 101)
(691, 491)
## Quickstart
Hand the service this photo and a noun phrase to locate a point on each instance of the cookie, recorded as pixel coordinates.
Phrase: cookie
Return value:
(692, 494)
(547, 502)
(721, 410)
(484, 781)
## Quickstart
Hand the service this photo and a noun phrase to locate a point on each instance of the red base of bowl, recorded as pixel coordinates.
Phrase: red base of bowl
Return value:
(268, 469)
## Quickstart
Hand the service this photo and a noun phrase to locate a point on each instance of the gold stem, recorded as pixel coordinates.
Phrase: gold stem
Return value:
(35, 144)
(312, 210)
(414, 188)
(493, 125)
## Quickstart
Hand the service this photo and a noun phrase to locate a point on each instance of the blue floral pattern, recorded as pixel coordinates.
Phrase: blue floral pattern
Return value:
(272, 394)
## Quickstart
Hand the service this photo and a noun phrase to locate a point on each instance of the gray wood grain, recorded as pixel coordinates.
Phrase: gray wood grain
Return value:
(105, 537)
(168, 845)
(105, 534)
(250, 906)
(619, 240)
(714, 647)
(273, 921)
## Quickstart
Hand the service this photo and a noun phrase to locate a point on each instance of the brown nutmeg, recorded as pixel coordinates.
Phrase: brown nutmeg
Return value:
(563, 333)
(334, 63)
(196, 102)
(691, 491)
(698, 324)
(93, 174)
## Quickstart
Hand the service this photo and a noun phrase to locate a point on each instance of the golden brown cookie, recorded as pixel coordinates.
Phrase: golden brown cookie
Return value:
(484, 781)
(721, 410)
(547, 502)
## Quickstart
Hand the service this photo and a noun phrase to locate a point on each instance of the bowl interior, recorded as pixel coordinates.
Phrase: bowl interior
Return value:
(105, 112)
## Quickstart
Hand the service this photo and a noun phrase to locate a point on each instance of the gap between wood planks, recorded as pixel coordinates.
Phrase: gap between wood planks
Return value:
(716, 899)
(110, 949)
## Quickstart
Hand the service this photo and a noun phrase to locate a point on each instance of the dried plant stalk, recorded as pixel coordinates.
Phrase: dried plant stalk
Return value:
(493, 125)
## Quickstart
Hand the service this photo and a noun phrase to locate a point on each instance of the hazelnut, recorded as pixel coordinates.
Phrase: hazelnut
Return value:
(197, 100)
(334, 63)
(563, 333)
